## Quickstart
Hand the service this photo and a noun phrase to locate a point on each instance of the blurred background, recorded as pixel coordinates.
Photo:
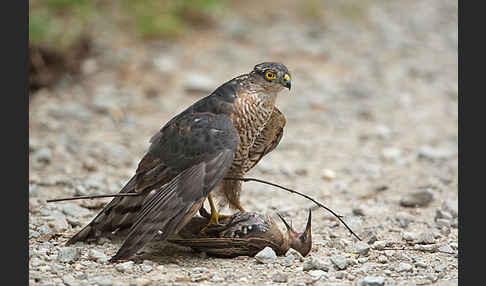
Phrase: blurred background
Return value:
(371, 118)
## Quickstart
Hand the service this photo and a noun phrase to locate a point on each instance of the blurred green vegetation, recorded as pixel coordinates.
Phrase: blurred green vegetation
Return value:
(58, 23)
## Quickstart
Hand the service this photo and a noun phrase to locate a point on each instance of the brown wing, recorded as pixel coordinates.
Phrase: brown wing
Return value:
(268, 140)
(199, 140)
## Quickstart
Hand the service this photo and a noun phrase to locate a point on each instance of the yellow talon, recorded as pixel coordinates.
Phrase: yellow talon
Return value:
(215, 216)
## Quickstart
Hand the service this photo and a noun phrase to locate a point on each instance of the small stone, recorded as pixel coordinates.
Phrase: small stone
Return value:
(125, 266)
(58, 222)
(363, 259)
(267, 255)
(146, 268)
(97, 256)
(431, 153)
(68, 254)
(382, 259)
(69, 280)
(339, 261)
(44, 229)
(358, 211)
(361, 248)
(73, 210)
(391, 153)
(315, 264)
(372, 281)
(280, 277)
(43, 155)
(318, 273)
(288, 260)
(426, 238)
(103, 281)
(340, 275)
(409, 236)
(451, 207)
(421, 264)
(419, 198)
(379, 244)
(441, 222)
(446, 248)
(328, 174)
(442, 214)
(404, 267)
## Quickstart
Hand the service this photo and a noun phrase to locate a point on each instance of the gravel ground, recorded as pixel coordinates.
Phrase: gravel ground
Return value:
(372, 132)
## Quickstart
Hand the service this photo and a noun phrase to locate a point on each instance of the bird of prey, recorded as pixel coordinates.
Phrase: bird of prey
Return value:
(222, 135)
(244, 233)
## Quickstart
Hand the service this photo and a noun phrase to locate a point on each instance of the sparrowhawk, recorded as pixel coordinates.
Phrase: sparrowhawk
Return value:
(223, 134)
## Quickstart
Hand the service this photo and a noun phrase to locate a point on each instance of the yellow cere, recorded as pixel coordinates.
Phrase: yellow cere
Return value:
(286, 77)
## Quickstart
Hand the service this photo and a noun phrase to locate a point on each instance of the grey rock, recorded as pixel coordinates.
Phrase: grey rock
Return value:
(70, 111)
(340, 275)
(69, 280)
(125, 266)
(97, 255)
(361, 248)
(382, 259)
(318, 273)
(409, 236)
(44, 155)
(44, 229)
(73, 210)
(419, 198)
(57, 221)
(372, 281)
(315, 264)
(339, 261)
(404, 267)
(442, 214)
(433, 153)
(146, 268)
(441, 222)
(280, 277)
(391, 153)
(68, 254)
(426, 238)
(451, 207)
(288, 260)
(363, 259)
(446, 248)
(379, 244)
(103, 281)
(266, 255)
(33, 191)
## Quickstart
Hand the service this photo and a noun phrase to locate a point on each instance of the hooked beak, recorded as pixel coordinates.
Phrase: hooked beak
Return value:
(286, 81)
(302, 242)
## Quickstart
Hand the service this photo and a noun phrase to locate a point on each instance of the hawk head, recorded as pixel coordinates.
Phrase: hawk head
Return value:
(273, 75)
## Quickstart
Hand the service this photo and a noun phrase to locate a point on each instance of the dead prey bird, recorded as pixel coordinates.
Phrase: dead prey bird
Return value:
(244, 233)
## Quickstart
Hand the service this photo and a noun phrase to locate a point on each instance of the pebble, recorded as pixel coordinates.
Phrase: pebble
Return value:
(361, 248)
(73, 210)
(404, 267)
(446, 248)
(68, 254)
(44, 229)
(57, 221)
(44, 155)
(382, 259)
(280, 277)
(379, 244)
(266, 255)
(315, 264)
(328, 174)
(97, 255)
(372, 281)
(431, 153)
(442, 214)
(318, 273)
(69, 280)
(125, 266)
(391, 153)
(363, 259)
(451, 207)
(103, 281)
(146, 268)
(339, 261)
(426, 238)
(288, 260)
(409, 236)
(340, 275)
(419, 198)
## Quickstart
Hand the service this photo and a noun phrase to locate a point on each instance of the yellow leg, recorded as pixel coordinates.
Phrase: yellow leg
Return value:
(215, 216)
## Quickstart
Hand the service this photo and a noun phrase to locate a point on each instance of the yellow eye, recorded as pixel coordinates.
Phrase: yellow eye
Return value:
(270, 75)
